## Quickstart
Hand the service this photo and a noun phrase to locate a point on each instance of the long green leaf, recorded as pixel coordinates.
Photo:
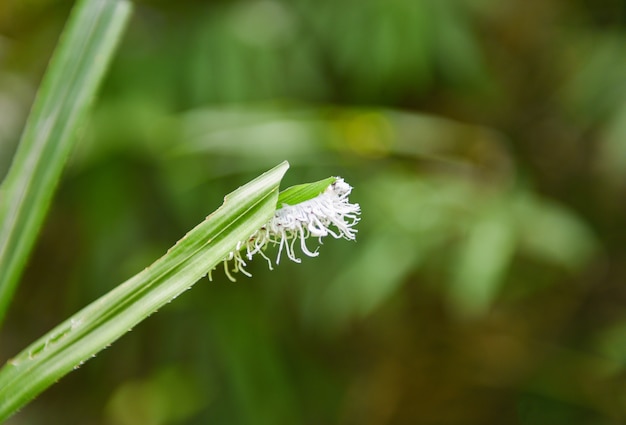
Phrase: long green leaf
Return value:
(66, 92)
(96, 326)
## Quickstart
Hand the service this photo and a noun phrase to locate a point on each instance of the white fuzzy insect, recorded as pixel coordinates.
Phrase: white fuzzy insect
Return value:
(312, 218)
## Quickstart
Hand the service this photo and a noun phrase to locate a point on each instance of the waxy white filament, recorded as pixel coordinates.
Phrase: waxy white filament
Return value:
(329, 213)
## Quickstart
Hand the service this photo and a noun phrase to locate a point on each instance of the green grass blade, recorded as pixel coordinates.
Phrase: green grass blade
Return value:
(105, 320)
(303, 192)
(68, 87)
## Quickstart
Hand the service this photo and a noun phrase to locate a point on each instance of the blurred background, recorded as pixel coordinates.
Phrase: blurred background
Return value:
(486, 143)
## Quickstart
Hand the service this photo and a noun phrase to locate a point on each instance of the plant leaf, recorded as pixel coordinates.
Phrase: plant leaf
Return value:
(303, 192)
(99, 324)
(65, 95)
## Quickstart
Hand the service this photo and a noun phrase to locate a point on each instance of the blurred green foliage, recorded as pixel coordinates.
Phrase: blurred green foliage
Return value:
(486, 142)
